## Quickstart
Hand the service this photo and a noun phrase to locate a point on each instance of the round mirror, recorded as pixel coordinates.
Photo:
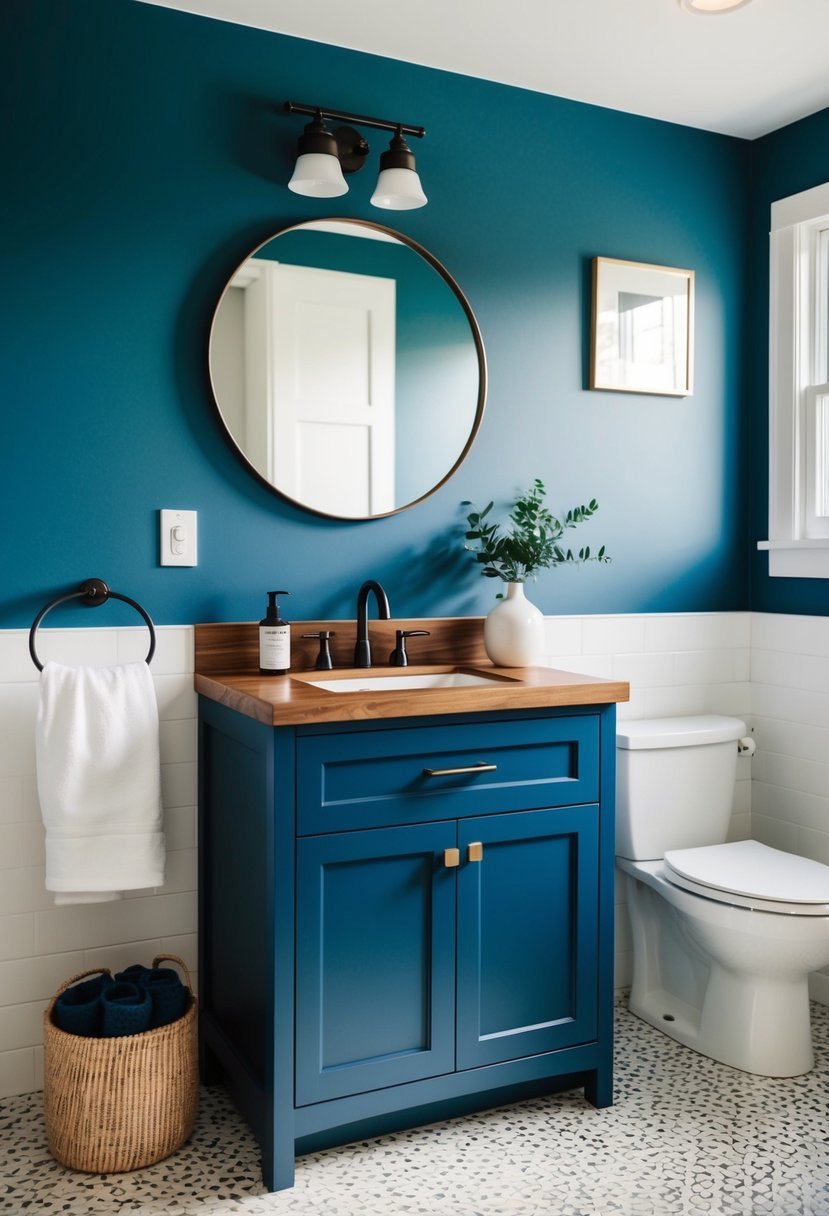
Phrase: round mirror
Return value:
(348, 368)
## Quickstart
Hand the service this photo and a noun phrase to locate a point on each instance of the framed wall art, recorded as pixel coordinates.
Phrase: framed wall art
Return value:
(642, 334)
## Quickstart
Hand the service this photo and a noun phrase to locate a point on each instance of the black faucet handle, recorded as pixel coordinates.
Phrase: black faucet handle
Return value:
(324, 661)
(399, 656)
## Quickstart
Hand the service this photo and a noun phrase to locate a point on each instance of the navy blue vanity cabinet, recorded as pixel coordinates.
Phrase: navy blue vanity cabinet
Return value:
(403, 920)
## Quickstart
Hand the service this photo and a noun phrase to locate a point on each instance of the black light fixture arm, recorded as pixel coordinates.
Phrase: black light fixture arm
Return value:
(361, 120)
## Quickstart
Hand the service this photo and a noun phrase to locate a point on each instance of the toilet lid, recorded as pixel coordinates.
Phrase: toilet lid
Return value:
(752, 875)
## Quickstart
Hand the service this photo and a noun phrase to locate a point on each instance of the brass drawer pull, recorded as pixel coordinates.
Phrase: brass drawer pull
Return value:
(466, 768)
(475, 851)
(451, 858)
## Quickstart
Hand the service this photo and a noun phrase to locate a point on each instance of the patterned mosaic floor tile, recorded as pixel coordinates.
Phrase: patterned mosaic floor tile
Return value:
(685, 1136)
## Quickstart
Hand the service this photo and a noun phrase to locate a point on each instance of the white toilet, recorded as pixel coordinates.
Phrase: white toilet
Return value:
(724, 935)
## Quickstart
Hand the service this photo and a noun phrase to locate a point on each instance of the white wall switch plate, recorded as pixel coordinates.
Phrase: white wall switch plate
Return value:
(177, 538)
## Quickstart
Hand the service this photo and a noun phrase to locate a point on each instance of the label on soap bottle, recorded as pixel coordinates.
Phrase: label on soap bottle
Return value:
(275, 648)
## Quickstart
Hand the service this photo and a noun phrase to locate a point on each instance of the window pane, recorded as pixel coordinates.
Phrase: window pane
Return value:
(821, 457)
(821, 331)
(816, 454)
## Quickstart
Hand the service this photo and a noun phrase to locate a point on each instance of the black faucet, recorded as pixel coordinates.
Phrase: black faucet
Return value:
(362, 649)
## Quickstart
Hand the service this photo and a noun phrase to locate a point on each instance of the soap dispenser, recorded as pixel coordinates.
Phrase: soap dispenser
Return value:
(274, 639)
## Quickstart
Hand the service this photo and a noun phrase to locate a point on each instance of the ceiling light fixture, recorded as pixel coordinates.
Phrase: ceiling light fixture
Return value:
(709, 7)
(324, 156)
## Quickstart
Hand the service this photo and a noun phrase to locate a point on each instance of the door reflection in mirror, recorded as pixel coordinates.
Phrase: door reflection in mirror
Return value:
(348, 368)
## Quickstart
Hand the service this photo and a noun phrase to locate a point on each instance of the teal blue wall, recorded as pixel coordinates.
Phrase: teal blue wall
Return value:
(785, 162)
(144, 153)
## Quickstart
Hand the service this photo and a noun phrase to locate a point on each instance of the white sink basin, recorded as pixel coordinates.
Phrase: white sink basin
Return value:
(396, 683)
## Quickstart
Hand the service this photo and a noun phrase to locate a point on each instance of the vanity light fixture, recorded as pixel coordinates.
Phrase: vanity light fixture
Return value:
(325, 155)
(317, 171)
(712, 6)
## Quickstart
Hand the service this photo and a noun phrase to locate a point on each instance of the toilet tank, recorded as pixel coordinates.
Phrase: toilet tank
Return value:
(674, 783)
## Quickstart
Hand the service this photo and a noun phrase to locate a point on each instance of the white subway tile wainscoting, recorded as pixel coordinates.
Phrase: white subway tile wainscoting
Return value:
(790, 712)
(772, 671)
(41, 945)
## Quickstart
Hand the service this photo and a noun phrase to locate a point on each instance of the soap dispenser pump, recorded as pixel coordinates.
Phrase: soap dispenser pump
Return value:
(274, 639)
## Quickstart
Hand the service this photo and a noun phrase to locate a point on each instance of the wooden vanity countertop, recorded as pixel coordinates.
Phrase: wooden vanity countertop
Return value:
(227, 671)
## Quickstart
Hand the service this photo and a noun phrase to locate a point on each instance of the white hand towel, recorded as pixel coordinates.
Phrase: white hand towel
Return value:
(99, 781)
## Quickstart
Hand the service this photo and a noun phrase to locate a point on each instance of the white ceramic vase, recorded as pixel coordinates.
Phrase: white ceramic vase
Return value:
(514, 630)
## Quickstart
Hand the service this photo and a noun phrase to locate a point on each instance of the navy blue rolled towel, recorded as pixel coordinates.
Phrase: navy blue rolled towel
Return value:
(168, 994)
(132, 975)
(125, 1009)
(78, 1009)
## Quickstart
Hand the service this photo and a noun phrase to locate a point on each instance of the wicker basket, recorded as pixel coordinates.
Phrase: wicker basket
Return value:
(119, 1104)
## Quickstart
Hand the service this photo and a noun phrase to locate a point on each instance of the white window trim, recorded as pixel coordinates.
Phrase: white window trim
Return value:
(794, 223)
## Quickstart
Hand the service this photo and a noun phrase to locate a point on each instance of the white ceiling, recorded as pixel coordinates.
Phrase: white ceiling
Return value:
(741, 73)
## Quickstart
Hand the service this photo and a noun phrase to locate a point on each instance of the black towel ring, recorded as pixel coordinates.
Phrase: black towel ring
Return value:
(92, 593)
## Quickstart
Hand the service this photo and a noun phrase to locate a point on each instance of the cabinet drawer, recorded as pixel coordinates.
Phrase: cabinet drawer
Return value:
(378, 777)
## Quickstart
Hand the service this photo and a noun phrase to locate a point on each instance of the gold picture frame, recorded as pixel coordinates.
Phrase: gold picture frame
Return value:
(642, 332)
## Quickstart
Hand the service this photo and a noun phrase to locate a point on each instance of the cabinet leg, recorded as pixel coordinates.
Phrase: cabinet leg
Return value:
(210, 1070)
(278, 1167)
(598, 1088)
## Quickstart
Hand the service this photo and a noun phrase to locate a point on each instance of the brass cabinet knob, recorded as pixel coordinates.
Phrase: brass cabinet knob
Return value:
(451, 857)
(475, 851)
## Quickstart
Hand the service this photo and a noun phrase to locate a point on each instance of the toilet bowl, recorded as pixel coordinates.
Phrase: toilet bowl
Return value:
(724, 935)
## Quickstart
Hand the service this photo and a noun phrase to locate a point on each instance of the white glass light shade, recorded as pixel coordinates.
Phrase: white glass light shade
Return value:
(398, 190)
(711, 6)
(318, 175)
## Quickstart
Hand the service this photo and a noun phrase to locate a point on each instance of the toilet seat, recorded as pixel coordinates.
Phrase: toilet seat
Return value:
(748, 874)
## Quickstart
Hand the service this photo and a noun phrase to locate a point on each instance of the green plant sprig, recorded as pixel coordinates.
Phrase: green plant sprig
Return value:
(532, 543)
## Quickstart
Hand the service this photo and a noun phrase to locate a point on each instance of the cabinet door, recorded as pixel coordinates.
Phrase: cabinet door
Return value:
(375, 959)
(527, 934)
